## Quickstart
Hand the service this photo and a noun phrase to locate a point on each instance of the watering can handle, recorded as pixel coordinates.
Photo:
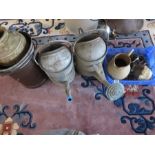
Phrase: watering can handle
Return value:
(100, 74)
(34, 43)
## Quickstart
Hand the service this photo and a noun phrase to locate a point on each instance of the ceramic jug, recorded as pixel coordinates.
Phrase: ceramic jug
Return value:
(146, 73)
(12, 45)
(90, 51)
(78, 25)
(119, 66)
(56, 59)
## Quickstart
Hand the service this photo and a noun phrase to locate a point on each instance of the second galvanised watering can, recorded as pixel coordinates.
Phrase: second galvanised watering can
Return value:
(56, 59)
(90, 51)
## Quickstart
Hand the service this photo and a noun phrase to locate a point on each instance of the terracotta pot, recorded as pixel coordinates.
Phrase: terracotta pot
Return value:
(12, 45)
(25, 70)
(119, 66)
(146, 74)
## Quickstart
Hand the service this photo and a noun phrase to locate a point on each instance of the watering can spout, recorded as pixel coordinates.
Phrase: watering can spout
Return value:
(100, 75)
(68, 92)
(113, 91)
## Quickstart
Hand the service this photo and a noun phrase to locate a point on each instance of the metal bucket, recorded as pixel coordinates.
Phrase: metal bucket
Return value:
(12, 45)
(56, 59)
(90, 51)
(25, 70)
(77, 25)
(125, 26)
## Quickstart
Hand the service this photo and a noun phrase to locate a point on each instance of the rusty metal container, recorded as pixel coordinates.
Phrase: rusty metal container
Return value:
(25, 70)
(77, 25)
(12, 45)
(125, 26)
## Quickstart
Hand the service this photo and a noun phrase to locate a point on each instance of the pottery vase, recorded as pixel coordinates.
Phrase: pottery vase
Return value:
(119, 66)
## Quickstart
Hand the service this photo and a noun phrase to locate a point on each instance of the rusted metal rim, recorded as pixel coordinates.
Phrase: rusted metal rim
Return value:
(27, 55)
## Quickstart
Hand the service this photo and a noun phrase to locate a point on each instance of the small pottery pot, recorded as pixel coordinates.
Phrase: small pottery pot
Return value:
(119, 66)
(12, 44)
(146, 74)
